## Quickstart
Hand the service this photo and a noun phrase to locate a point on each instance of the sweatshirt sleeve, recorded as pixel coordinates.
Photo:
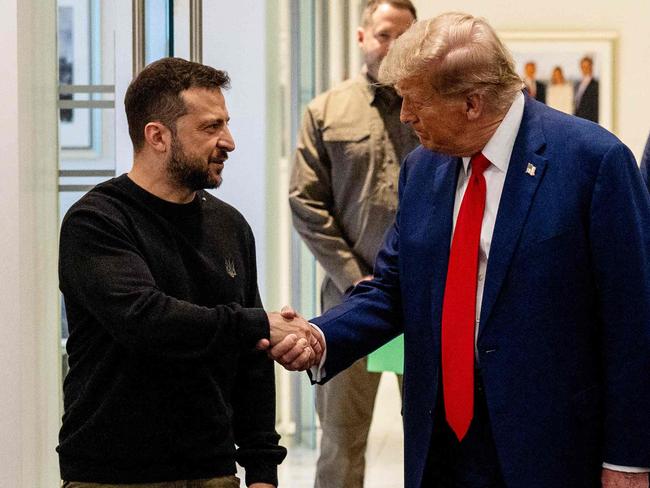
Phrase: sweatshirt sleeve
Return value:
(258, 450)
(254, 402)
(101, 267)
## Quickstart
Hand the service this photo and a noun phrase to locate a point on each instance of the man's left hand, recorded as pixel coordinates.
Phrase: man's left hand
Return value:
(618, 479)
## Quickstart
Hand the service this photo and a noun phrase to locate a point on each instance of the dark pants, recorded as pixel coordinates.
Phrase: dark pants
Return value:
(222, 482)
(471, 463)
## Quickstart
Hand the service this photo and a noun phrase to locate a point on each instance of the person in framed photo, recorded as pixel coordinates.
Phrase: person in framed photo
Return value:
(534, 87)
(586, 96)
(560, 92)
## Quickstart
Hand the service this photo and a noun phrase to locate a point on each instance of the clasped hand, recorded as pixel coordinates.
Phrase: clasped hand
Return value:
(293, 342)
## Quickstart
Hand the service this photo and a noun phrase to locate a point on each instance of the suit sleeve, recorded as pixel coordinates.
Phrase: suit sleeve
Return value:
(372, 314)
(101, 267)
(312, 202)
(620, 245)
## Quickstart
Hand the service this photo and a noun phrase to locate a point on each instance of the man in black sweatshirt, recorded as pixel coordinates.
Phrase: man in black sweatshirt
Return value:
(160, 286)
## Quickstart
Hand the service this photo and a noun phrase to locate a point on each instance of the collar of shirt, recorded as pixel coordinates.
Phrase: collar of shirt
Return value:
(586, 80)
(376, 91)
(583, 86)
(499, 148)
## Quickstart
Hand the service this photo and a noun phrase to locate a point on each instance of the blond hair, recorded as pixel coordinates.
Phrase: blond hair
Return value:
(457, 54)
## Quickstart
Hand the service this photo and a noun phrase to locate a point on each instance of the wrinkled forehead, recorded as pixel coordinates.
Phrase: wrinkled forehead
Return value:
(205, 101)
(414, 86)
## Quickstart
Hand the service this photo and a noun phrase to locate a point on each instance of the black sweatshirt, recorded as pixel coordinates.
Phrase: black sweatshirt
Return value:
(164, 313)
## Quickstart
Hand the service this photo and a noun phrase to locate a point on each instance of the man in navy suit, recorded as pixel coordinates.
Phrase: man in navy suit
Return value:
(518, 268)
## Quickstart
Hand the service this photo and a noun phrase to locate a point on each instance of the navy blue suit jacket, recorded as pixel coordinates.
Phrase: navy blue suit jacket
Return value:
(564, 337)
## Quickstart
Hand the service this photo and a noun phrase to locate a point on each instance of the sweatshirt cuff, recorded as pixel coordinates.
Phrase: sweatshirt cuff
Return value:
(262, 474)
(254, 326)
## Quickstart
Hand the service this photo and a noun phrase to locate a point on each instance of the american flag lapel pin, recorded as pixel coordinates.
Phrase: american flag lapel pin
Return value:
(530, 169)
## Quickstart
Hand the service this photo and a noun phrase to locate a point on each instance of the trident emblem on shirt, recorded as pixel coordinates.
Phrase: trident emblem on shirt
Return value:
(230, 268)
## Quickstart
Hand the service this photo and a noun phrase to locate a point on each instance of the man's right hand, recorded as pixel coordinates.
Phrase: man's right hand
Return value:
(290, 339)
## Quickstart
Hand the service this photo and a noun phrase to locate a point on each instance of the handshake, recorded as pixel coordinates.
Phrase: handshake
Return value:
(294, 342)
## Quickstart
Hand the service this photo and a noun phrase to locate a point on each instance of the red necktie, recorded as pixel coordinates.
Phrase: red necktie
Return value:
(459, 304)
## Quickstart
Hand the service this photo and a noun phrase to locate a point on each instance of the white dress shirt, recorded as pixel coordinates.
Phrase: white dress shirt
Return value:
(581, 89)
(498, 151)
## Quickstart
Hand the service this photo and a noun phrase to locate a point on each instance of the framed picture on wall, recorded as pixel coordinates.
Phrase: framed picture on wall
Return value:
(570, 71)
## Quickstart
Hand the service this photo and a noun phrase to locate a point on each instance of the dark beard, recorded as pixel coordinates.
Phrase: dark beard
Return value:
(189, 172)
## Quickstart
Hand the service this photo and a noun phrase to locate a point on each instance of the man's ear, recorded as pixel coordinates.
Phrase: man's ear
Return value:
(157, 136)
(361, 34)
(474, 106)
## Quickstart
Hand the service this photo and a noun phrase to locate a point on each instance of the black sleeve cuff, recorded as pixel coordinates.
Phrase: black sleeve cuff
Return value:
(255, 326)
(262, 474)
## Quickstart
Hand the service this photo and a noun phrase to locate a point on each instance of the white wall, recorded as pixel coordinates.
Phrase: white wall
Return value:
(627, 17)
(29, 328)
(234, 41)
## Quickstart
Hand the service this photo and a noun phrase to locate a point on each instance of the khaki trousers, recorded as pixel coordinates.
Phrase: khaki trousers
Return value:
(222, 482)
(344, 406)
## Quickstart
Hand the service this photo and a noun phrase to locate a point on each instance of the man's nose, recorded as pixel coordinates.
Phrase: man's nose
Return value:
(226, 142)
(405, 115)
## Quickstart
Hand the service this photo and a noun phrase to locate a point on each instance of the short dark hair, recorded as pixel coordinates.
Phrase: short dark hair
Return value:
(373, 5)
(155, 94)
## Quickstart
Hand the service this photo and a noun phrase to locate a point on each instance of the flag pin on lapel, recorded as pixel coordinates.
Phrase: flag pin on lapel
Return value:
(530, 169)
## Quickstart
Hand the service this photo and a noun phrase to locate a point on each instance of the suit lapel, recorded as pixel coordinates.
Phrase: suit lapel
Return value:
(444, 193)
(518, 193)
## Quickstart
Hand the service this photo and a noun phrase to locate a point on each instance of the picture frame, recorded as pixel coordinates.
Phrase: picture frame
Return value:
(549, 50)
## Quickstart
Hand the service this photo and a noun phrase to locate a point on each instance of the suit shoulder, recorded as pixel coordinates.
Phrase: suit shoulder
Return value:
(421, 156)
(580, 146)
(577, 134)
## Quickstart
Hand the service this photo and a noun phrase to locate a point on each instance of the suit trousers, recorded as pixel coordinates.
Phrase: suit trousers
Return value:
(471, 463)
(344, 406)
(221, 482)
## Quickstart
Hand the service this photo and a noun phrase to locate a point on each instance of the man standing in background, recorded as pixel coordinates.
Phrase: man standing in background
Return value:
(343, 196)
